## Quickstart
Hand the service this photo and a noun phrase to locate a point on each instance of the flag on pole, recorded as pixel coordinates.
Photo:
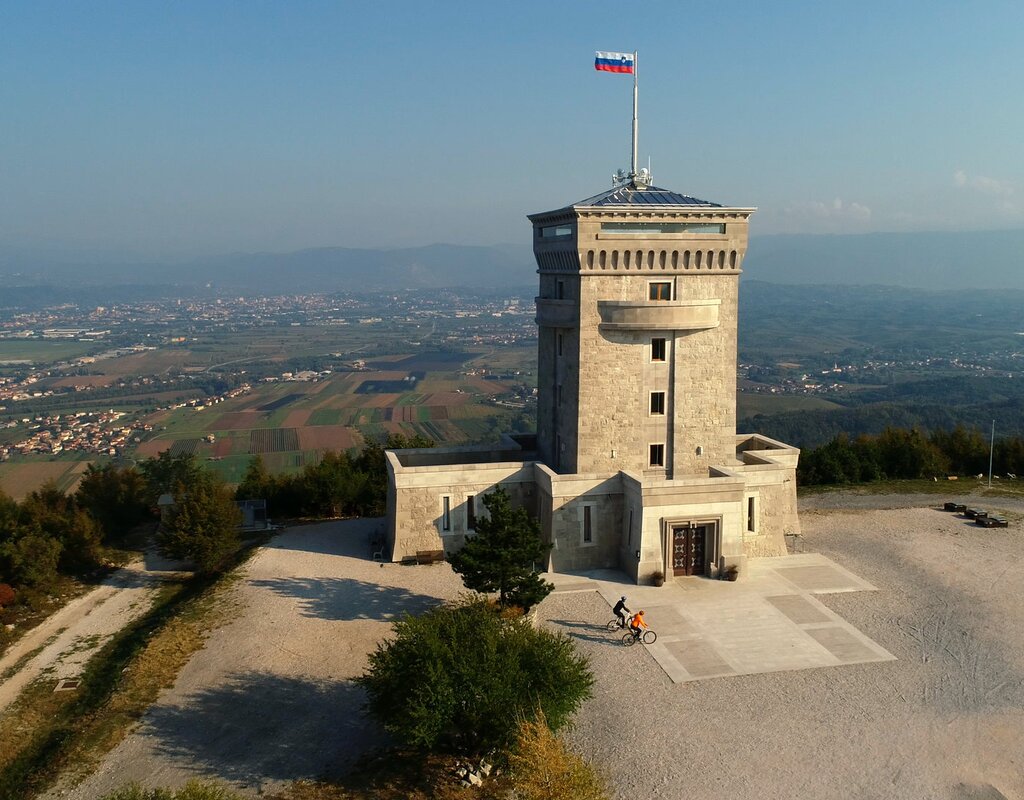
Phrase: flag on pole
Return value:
(614, 62)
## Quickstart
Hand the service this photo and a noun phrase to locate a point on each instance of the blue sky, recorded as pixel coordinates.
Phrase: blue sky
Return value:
(178, 129)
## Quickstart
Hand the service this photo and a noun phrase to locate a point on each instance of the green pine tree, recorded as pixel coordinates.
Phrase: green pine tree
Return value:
(203, 526)
(503, 555)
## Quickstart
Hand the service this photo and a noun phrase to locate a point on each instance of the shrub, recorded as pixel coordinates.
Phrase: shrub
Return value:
(459, 677)
(30, 560)
(543, 768)
(7, 595)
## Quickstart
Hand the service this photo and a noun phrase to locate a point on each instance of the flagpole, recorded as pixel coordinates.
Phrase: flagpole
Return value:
(636, 70)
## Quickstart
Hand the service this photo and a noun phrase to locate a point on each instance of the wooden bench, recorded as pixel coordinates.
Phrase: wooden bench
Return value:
(429, 556)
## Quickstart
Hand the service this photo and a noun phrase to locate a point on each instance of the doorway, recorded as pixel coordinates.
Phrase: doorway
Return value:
(689, 543)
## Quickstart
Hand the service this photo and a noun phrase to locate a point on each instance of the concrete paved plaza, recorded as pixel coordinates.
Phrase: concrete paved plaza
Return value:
(767, 621)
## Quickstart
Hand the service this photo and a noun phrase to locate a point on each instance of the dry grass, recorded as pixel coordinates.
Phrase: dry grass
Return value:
(397, 775)
(544, 768)
(47, 734)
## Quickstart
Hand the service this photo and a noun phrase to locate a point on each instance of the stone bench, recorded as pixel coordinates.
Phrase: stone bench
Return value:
(429, 556)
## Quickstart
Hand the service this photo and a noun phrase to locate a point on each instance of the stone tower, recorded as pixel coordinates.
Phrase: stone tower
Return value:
(637, 319)
(636, 464)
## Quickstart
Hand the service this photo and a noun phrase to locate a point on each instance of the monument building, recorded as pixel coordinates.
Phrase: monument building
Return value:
(636, 463)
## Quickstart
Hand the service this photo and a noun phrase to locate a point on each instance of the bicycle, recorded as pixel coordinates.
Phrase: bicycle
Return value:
(614, 625)
(647, 637)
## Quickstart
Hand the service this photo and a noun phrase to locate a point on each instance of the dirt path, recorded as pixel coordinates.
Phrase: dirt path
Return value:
(60, 646)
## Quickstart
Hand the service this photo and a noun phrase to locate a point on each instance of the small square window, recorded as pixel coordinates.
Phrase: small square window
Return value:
(657, 349)
(657, 455)
(657, 403)
(659, 290)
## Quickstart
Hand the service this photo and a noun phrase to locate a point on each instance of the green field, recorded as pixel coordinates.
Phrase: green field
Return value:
(750, 404)
(46, 351)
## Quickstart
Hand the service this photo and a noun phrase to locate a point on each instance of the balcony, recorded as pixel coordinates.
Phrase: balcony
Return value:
(658, 315)
(557, 313)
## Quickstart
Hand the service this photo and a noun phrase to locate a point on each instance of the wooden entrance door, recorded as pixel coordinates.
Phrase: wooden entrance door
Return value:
(688, 549)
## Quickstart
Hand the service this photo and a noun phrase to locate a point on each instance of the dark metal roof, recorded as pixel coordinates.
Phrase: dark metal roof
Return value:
(651, 196)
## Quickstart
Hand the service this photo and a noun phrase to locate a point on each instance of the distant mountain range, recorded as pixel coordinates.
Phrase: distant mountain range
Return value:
(947, 260)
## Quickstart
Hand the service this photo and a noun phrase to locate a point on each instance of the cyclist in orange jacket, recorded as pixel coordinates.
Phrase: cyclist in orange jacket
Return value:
(637, 624)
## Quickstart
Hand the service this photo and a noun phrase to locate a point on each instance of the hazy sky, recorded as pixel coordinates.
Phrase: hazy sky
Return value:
(182, 128)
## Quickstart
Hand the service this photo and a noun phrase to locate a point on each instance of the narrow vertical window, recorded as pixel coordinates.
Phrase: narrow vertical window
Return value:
(657, 455)
(560, 294)
(657, 403)
(446, 513)
(657, 349)
(751, 515)
(588, 531)
(559, 396)
(630, 529)
(470, 512)
(559, 344)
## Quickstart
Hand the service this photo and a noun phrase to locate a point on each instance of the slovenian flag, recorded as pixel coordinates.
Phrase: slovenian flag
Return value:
(614, 62)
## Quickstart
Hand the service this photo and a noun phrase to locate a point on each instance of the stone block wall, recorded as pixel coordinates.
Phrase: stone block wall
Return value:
(416, 522)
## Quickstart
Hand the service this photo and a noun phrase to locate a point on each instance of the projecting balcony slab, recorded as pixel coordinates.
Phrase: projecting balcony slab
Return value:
(659, 315)
(557, 313)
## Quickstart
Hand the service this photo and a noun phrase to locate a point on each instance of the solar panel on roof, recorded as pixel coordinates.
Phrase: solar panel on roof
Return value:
(653, 196)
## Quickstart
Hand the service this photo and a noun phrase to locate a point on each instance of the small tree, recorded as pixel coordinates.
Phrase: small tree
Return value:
(203, 525)
(462, 676)
(502, 556)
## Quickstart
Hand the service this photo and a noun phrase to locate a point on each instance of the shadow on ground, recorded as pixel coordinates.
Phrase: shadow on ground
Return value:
(589, 631)
(342, 599)
(342, 537)
(257, 727)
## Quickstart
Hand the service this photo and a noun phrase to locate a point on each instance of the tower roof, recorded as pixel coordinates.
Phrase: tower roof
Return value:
(651, 196)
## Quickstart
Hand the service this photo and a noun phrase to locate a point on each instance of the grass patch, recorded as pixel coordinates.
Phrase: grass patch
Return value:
(48, 734)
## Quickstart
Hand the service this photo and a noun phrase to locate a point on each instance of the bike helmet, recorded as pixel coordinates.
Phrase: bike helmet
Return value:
(640, 612)
(623, 598)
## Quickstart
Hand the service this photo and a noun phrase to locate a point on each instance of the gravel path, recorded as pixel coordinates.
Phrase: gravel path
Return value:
(946, 720)
(270, 698)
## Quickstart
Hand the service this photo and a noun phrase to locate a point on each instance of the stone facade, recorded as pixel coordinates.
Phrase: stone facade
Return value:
(636, 463)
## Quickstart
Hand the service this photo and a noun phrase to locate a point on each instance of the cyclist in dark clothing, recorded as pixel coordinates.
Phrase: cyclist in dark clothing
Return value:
(620, 611)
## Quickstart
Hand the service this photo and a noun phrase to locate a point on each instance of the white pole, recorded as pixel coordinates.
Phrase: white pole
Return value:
(991, 451)
(636, 70)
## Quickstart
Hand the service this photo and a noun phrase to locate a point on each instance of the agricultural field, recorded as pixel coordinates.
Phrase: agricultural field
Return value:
(20, 477)
(292, 423)
(749, 404)
(45, 351)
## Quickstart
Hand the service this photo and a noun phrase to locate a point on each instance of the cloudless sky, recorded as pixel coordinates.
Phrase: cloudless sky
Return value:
(168, 129)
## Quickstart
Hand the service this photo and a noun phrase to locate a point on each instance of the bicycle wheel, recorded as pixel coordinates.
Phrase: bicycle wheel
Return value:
(628, 639)
(650, 637)
(613, 625)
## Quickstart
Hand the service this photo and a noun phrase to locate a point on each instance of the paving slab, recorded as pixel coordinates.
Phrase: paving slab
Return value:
(768, 621)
